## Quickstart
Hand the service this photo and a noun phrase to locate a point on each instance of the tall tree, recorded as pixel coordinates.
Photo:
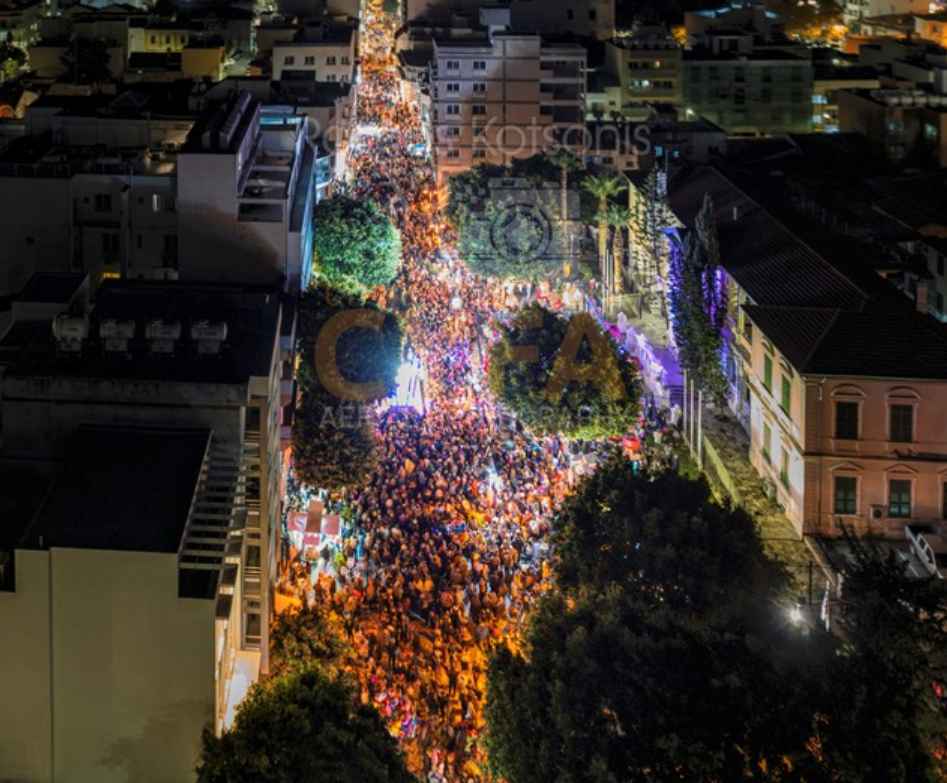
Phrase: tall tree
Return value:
(564, 377)
(334, 446)
(303, 728)
(87, 61)
(603, 187)
(566, 161)
(698, 304)
(356, 245)
(619, 219)
(12, 61)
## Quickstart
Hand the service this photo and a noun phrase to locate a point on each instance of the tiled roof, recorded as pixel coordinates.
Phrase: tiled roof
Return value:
(767, 260)
(814, 296)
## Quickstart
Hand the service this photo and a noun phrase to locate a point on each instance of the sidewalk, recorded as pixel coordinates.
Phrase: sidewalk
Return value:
(732, 476)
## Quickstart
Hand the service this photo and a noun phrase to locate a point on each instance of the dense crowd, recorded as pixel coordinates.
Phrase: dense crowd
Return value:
(445, 549)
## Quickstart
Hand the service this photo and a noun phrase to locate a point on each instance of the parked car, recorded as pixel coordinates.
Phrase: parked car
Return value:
(930, 547)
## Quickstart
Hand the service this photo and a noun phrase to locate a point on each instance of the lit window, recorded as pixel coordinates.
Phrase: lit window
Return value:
(899, 498)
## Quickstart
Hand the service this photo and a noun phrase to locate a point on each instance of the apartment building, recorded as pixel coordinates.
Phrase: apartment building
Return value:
(20, 21)
(647, 63)
(183, 567)
(855, 11)
(830, 77)
(742, 74)
(503, 96)
(159, 181)
(838, 379)
(932, 27)
(583, 18)
(316, 52)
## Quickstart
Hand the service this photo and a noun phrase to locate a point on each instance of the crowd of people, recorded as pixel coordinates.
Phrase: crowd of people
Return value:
(446, 549)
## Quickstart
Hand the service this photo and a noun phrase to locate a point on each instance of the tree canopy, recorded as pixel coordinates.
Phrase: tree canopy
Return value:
(12, 61)
(305, 727)
(698, 303)
(563, 376)
(356, 245)
(662, 654)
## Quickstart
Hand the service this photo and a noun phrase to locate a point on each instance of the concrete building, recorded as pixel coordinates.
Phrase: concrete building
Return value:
(503, 96)
(159, 182)
(182, 566)
(838, 379)
(743, 75)
(854, 11)
(828, 79)
(932, 27)
(20, 21)
(904, 125)
(648, 66)
(583, 18)
(316, 52)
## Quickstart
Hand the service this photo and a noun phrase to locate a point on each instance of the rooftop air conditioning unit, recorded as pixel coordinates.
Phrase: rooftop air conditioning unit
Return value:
(70, 331)
(116, 335)
(208, 336)
(163, 336)
(878, 511)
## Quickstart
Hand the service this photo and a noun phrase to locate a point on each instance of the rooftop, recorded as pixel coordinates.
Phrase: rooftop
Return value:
(252, 316)
(51, 287)
(108, 496)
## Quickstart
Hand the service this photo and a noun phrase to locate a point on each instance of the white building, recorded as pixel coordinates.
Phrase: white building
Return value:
(153, 183)
(502, 97)
(853, 11)
(138, 590)
(316, 53)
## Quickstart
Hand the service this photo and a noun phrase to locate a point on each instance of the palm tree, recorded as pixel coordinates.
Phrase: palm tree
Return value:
(603, 187)
(619, 218)
(566, 161)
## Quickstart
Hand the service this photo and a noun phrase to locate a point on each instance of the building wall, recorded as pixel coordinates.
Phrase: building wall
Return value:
(515, 92)
(584, 18)
(874, 459)
(327, 62)
(647, 73)
(855, 10)
(750, 96)
(125, 650)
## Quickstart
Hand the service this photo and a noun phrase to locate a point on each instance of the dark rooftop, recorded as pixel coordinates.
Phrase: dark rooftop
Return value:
(252, 316)
(122, 489)
(51, 287)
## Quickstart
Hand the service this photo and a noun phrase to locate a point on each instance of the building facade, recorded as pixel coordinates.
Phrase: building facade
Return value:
(503, 97)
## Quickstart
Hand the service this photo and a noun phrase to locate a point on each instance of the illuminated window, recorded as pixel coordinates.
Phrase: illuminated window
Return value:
(846, 495)
(899, 498)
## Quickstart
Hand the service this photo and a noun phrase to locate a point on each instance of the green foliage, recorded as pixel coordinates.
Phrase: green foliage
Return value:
(87, 61)
(510, 232)
(12, 61)
(665, 540)
(661, 655)
(699, 305)
(303, 728)
(306, 638)
(334, 446)
(882, 687)
(363, 354)
(356, 245)
(602, 405)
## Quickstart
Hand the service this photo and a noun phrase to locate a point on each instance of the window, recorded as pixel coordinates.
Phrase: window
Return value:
(309, 59)
(846, 495)
(785, 401)
(767, 441)
(110, 246)
(453, 131)
(478, 109)
(480, 65)
(479, 154)
(899, 498)
(346, 60)
(453, 87)
(846, 420)
(592, 15)
(480, 87)
(453, 109)
(331, 60)
(103, 202)
(784, 469)
(902, 423)
(479, 131)
(330, 77)
(453, 65)
(453, 154)
(154, 39)
(768, 373)
(162, 203)
(289, 59)
(171, 245)
(253, 556)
